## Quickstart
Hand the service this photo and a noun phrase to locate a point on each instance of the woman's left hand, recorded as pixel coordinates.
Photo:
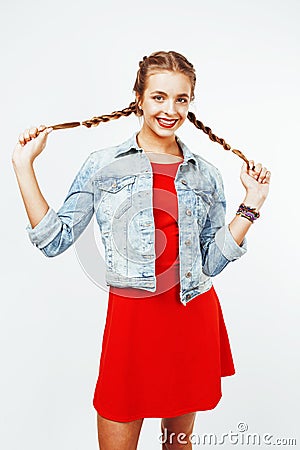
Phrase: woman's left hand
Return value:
(256, 181)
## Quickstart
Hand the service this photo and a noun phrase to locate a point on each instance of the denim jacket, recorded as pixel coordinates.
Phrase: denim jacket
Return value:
(116, 184)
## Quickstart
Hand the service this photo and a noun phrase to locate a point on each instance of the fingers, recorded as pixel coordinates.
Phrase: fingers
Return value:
(30, 133)
(21, 139)
(267, 178)
(255, 173)
(251, 164)
(33, 132)
(258, 172)
(244, 167)
(262, 174)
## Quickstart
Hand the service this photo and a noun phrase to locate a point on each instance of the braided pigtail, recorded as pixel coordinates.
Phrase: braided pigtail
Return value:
(156, 62)
(132, 108)
(198, 124)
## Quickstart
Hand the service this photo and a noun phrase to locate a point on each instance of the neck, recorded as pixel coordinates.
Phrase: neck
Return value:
(153, 143)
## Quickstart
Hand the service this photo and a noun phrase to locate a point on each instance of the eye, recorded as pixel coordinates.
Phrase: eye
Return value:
(159, 98)
(182, 100)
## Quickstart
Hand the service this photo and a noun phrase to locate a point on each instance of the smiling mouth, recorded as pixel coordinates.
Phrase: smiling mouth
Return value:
(166, 123)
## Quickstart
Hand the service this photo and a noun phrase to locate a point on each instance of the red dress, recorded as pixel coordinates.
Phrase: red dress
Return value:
(160, 358)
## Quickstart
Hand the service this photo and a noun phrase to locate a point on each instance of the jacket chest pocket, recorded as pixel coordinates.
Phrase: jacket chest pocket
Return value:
(114, 195)
(203, 200)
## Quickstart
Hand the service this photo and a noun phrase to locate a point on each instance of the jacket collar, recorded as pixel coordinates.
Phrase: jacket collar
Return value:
(131, 144)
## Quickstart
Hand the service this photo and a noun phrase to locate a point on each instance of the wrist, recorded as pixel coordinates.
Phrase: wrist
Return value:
(21, 165)
(253, 201)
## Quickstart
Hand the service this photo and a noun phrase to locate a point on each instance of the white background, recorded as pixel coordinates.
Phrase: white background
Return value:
(68, 61)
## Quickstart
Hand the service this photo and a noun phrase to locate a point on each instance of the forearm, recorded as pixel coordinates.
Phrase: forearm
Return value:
(239, 225)
(35, 204)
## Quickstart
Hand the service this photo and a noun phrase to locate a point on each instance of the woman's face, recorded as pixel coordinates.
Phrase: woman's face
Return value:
(165, 102)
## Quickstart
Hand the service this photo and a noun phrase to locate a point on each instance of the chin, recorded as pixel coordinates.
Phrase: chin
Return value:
(165, 132)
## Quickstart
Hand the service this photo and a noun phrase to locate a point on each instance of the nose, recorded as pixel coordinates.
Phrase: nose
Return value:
(170, 108)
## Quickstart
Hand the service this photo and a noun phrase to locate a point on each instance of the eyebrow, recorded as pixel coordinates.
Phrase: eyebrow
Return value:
(164, 93)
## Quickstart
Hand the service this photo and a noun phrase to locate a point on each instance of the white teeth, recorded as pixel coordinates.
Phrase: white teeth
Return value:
(167, 121)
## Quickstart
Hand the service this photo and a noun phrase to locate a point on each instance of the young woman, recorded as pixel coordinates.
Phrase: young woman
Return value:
(161, 212)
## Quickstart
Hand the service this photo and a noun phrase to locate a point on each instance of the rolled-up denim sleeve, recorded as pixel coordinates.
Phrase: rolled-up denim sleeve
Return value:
(57, 231)
(218, 247)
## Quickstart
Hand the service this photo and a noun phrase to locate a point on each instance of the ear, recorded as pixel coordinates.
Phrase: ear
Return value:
(138, 100)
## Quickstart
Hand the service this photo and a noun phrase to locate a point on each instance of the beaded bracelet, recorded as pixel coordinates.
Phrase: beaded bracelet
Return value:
(248, 212)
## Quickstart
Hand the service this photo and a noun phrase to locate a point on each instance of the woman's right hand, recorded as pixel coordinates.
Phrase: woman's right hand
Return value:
(30, 144)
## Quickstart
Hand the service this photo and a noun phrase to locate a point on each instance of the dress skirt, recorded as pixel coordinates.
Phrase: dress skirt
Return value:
(160, 358)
